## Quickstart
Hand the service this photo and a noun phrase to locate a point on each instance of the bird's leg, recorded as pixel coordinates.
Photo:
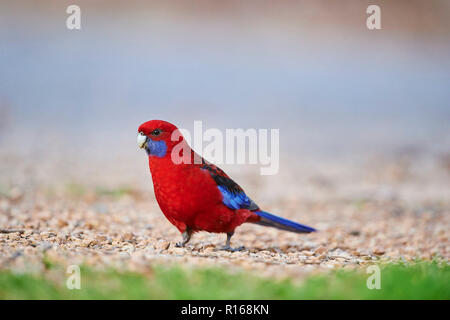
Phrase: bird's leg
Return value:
(186, 237)
(227, 246)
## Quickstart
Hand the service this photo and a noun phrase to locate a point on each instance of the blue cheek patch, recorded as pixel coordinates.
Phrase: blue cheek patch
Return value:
(156, 148)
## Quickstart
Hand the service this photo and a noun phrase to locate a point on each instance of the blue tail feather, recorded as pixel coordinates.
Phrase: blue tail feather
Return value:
(270, 220)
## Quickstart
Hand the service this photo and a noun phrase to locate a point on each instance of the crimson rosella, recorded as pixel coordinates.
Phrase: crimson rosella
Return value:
(196, 195)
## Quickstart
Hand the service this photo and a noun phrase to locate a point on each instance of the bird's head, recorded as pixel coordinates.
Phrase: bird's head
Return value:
(156, 137)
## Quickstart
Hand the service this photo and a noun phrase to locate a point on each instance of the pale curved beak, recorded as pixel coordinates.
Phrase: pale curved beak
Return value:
(141, 140)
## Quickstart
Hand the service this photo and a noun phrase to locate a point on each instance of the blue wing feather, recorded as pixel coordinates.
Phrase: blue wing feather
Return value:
(234, 196)
(235, 200)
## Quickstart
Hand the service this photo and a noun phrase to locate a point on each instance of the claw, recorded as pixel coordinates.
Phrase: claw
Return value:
(227, 246)
(230, 249)
(186, 237)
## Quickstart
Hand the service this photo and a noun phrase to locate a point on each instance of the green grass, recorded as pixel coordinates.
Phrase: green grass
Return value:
(78, 190)
(113, 193)
(417, 281)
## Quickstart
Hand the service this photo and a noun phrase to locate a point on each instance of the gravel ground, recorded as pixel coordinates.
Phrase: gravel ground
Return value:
(379, 209)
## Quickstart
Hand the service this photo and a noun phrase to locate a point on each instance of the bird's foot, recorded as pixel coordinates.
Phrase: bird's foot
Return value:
(230, 249)
(186, 237)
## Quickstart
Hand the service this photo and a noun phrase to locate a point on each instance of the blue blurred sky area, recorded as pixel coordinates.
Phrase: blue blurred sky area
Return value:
(312, 69)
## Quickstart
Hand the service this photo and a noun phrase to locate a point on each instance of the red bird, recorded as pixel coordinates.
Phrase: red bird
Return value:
(196, 195)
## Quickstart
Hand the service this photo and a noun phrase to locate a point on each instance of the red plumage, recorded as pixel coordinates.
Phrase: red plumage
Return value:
(188, 193)
(188, 196)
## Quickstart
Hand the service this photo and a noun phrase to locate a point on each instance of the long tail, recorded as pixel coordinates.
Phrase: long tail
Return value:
(270, 220)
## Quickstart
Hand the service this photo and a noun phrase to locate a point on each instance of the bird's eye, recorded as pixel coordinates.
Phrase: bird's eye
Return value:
(156, 132)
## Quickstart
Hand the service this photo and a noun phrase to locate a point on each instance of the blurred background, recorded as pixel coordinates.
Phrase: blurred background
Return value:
(363, 116)
(342, 95)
